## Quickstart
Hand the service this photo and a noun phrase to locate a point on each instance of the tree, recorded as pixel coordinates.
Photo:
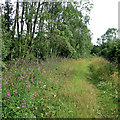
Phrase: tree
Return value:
(46, 28)
(109, 44)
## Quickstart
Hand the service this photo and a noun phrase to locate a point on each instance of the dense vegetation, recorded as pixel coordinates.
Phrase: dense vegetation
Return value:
(108, 46)
(55, 89)
(49, 68)
(44, 29)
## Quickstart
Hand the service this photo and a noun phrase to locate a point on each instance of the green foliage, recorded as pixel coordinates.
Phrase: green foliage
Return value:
(104, 76)
(109, 46)
(51, 28)
(42, 89)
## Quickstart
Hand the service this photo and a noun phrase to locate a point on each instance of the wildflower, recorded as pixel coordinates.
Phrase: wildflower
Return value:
(40, 82)
(21, 70)
(27, 70)
(21, 78)
(39, 68)
(15, 91)
(22, 104)
(34, 95)
(26, 81)
(5, 82)
(0, 91)
(32, 79)
(42, 63)
(44, 72)
(44, 86)
(54, 95)
(37, 62)
(28, 86)
(8, 95)
(26, 75)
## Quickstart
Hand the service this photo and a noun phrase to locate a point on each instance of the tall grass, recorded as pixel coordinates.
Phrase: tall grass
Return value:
(28, 89)
(105, 77)
(59, 88)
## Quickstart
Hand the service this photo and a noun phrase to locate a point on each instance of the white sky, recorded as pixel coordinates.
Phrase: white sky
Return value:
(104, 15)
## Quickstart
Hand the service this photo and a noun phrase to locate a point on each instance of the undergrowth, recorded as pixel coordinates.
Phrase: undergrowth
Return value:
(104, 76)
(59, 88)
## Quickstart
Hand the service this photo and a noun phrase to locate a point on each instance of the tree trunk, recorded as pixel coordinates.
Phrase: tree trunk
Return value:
(32, 37)
(22, 24)
(17, 18)
(30, 20)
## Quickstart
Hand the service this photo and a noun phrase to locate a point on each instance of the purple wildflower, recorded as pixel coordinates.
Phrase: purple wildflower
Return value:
(26, 75)
(40, 82)
(21, 78)
(5, 82)
(39, 68)
(8, 95)
(22, 104)
(15, 91)
(0, 91)
(28, 86)
(34, 95)
(44, 72)
(37, 62)
(26, 81)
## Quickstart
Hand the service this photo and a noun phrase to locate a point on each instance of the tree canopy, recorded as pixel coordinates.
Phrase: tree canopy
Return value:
(45, 29)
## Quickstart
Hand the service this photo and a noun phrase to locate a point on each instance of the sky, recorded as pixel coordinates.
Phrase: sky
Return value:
(104, 15)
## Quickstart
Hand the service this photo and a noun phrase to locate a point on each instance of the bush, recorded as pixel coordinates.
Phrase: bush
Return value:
(104, 76)
(101, 70)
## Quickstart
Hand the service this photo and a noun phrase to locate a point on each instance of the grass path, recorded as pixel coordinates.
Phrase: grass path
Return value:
(81, 95)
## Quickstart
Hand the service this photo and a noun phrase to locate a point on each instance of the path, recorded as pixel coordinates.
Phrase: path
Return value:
(82, 95)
